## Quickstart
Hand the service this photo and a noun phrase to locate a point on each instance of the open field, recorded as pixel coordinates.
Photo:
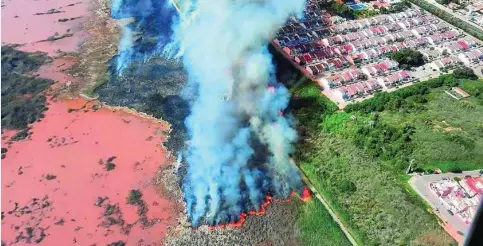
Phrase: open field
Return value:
(448, 132)
(365, 187)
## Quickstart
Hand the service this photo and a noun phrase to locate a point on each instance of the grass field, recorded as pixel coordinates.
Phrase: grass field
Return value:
(357, 160)
(448, 133)
(317, 226)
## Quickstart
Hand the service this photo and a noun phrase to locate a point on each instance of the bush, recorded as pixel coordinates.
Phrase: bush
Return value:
(134, 197)
(456, 170)
(347, 186)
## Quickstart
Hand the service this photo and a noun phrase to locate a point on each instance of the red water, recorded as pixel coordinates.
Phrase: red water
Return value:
(79, 141)
(70, 146)
(21, 25)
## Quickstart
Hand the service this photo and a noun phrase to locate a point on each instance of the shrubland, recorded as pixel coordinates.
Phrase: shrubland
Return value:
(358, 158)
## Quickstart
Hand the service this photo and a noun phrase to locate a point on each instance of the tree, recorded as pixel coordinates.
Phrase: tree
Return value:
(444, 2)
(408, 58)
(341, 9)
(464, 73)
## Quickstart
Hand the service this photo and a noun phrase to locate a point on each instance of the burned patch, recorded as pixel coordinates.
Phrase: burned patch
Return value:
(275, 227)
(155, 88)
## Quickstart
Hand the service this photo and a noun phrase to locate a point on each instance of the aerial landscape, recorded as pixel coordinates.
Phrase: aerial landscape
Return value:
(267, 122)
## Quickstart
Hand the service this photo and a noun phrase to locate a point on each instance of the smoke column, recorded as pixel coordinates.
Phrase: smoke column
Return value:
(148, 33)
(239, 139)
(225, 53)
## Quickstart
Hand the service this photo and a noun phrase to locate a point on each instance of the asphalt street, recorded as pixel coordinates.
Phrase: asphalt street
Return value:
(421, 185)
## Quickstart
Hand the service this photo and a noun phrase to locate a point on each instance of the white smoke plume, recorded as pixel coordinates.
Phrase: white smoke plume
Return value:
(224, 50)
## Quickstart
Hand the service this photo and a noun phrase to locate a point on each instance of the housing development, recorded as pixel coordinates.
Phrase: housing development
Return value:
(351, 59)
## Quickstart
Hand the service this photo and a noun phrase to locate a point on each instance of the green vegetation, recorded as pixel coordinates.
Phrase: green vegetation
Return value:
(340, 9)
(317, 226)
(22, 99)
(357, 159)
(21, 135)
(450, 18)
(445, 133)
(408, 58)
(464, 73)
(343, 10)
(314, 222)
(117, 243)
(90, 90)
(50, 176)
(395, 7)
(408, 98)
(364, 13)
(135, 197)
(444, 2)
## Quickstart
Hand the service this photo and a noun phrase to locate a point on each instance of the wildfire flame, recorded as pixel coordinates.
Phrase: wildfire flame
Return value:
(305, 197)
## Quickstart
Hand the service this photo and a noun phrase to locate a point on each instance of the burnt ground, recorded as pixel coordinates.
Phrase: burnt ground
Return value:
(154, 88)
(276, 227)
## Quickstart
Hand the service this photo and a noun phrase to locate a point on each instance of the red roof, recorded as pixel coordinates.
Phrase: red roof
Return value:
(351, 90)
(308, 58)
(475, 184)
(348, 47)
(404, 74)
(463, 44)
(347, 76)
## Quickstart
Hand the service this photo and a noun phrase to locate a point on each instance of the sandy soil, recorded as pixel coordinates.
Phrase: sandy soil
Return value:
(56, 188)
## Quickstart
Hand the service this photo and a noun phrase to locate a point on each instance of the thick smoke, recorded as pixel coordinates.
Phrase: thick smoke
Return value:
(148, 32)
(239, 139)
(225, 53)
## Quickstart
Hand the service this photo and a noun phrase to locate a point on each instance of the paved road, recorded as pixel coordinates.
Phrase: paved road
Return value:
(421, 185)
